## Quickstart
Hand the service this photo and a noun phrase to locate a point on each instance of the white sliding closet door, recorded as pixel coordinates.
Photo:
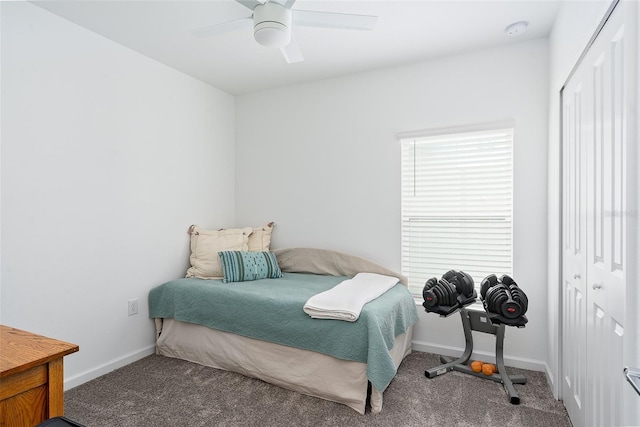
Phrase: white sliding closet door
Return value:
(599, 186)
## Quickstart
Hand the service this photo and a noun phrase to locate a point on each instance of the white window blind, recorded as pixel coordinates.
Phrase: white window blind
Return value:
(457, 197)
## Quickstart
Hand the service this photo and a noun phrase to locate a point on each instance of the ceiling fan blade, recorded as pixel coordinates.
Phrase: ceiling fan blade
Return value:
(291, 52)
(251, 4)
(225, 27)
(334, 20)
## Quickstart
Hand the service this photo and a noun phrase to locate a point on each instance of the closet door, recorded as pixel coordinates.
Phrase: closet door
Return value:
(599, 184)
(574, 293)
(606, 225)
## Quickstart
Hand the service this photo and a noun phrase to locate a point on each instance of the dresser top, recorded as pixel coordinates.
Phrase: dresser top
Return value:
(21, 350)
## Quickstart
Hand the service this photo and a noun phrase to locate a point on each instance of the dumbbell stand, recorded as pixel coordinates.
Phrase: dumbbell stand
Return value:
(479, 321)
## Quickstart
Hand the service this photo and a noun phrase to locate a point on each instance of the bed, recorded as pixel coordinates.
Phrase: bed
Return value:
(259, 329)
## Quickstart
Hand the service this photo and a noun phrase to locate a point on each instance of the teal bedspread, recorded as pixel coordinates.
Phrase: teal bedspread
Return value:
(271, 310)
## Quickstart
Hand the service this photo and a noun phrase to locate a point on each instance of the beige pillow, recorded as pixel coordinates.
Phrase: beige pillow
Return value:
(260, 239)
(205, 245)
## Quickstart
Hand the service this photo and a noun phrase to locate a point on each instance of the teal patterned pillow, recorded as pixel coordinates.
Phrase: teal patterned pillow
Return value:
(240, 266)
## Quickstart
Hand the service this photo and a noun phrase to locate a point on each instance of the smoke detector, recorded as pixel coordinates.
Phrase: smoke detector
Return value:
(516, 29)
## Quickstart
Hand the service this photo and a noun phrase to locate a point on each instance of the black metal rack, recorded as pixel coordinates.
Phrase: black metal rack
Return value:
(481, 321)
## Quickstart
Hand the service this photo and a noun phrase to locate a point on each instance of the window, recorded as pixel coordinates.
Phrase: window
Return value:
(457, 205)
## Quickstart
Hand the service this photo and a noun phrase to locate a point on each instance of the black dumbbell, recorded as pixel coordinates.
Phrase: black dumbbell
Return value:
(500, 301)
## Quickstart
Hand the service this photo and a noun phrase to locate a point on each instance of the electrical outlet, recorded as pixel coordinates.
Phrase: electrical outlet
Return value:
(133, 306)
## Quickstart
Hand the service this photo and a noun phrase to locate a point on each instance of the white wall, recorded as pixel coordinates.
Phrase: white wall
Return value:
(322, 160)
(107, 158)
(574, 26)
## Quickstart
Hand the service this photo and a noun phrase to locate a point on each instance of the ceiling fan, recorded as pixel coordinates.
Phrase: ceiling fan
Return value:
(272, 22)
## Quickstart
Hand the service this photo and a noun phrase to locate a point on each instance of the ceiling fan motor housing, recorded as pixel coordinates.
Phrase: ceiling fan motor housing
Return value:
(272, 24)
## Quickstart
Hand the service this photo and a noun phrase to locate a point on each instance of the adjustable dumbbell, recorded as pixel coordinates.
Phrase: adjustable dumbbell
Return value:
(503, 297)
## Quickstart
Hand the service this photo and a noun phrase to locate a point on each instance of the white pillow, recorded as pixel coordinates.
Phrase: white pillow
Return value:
(205, 245)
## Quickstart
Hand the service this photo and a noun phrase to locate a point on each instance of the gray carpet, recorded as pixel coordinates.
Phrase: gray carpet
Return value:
(159, 391)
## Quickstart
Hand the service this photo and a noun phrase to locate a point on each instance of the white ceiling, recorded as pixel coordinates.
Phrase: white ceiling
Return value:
(406, 32)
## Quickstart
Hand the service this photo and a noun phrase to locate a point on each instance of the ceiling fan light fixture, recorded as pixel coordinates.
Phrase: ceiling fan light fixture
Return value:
(272, 24)
(272, 34)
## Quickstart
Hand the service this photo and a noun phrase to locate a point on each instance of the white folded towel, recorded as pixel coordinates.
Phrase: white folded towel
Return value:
(345, 300)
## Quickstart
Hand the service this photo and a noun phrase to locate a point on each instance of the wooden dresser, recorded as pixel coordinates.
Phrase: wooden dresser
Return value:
(31, 377)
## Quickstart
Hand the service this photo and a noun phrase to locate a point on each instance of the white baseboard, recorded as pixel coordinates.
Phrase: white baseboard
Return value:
(516, 362)
(107, 367)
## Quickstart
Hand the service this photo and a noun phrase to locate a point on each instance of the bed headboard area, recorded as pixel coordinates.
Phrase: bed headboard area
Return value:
(334, 263)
